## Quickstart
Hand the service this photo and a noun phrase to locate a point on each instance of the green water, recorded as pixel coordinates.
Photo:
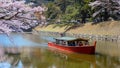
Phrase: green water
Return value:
(38, 55)
(43, 57)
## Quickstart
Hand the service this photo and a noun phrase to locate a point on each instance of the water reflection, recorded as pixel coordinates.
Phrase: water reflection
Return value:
(8, 61)
(16, 40)
(74, 60)
(107, 62)
(37, 57)
(35, 54)
(108, 48)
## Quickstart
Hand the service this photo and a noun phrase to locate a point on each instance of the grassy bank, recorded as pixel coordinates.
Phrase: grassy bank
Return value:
(103, 28)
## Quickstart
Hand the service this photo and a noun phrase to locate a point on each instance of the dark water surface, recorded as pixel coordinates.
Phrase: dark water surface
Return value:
(36, 54)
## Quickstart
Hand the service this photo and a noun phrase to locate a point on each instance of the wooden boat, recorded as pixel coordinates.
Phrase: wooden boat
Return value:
(69, 44)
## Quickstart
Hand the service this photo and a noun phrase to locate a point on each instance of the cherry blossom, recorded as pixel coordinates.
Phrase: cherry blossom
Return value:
(18, 16)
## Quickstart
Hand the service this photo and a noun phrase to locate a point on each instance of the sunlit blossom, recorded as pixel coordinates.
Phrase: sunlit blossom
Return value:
(16, 16)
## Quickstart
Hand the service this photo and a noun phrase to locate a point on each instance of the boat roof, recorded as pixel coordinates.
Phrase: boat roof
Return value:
(71, 39)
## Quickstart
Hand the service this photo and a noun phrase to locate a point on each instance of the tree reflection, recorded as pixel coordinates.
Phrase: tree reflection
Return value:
(8, 60)
(104, 61)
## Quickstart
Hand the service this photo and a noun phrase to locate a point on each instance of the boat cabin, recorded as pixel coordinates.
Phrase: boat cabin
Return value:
(71, 41)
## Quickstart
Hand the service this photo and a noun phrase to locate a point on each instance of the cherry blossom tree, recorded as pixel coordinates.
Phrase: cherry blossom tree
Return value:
(19, 17)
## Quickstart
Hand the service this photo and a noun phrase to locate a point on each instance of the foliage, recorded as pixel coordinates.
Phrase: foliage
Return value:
(52, 11)
(106, 8)
(62, 4)
(18, 16)
(68, 11)
(71, 13)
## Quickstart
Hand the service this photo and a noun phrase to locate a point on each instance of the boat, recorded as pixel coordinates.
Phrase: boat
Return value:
(71, 44)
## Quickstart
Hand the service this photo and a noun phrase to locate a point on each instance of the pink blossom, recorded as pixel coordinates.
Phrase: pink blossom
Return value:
(18, 15)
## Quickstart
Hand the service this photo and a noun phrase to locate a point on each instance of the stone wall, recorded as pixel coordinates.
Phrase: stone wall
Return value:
(87, 36)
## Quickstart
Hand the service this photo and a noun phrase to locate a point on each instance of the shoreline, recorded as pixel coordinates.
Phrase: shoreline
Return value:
(102, 31)
(87, 36)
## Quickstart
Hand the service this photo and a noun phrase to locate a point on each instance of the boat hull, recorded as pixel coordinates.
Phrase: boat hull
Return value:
(76, 49)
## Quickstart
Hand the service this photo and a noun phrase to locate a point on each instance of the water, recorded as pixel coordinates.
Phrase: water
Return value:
(36, 54)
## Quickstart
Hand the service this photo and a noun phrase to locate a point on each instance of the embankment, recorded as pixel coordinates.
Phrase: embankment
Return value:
(105, 30)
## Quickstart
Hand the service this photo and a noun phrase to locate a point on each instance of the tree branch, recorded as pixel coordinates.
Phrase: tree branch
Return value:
(13, 16)
(26, 18)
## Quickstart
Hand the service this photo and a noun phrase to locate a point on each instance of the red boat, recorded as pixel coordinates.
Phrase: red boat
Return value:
(70, 44)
